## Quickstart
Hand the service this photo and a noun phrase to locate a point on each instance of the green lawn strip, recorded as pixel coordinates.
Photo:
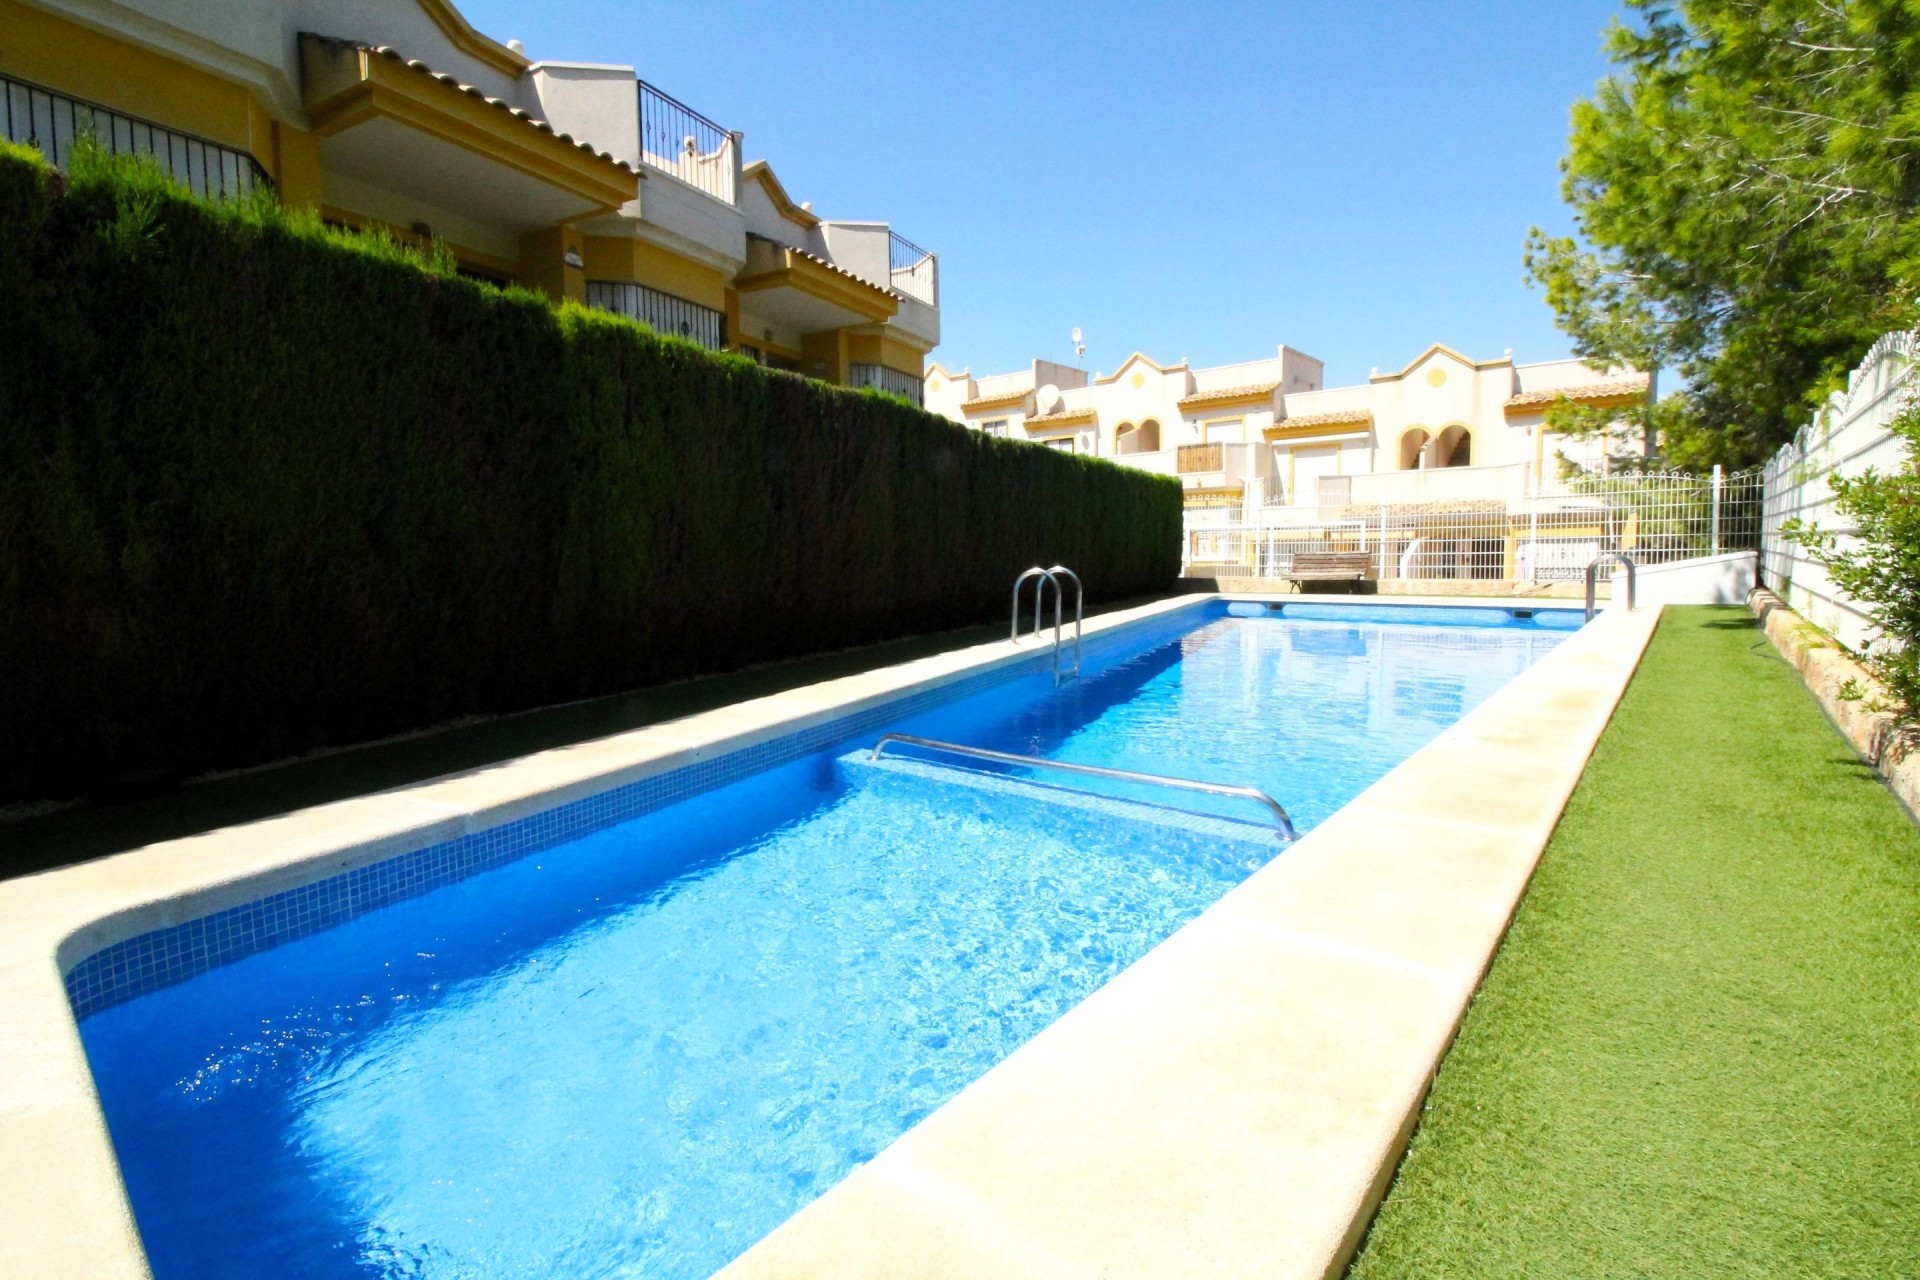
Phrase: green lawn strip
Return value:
(1698, 1051)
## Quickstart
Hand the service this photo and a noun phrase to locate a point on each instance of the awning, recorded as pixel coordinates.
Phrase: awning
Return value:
(796, 290)
(398, 125)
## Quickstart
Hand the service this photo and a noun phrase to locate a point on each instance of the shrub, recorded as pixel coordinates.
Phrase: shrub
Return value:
(265, 487)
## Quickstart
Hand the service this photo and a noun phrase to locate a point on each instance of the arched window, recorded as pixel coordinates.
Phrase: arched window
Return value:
(1412, 446)
(1149, 435)
(1454, 448)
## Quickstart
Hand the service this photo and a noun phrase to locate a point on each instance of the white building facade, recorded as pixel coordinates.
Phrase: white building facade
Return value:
(1269, 432)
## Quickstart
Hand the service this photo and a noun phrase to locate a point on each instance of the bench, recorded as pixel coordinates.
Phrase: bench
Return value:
(1328, 566)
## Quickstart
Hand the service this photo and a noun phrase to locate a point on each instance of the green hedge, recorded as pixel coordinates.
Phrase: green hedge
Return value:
(266, 487)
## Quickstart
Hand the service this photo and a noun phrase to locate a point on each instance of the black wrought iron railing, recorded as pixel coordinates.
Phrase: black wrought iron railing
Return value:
(891, 381)
(661, 312)
(54, 123)
(912, 270)
(677, 140)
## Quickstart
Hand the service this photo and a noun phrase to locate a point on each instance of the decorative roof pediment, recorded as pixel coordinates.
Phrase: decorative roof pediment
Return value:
(761, 172)
(1141, 357)
(1444, 352)
(471, 41)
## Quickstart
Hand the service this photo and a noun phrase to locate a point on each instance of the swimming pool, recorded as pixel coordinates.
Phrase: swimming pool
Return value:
(637, 1050)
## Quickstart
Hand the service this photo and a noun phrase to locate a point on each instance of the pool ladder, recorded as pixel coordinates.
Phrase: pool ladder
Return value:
(1045, 577)
(1282, 823)
(1593, 574)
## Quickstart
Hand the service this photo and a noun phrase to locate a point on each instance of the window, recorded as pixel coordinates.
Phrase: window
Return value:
(1062, 443)
(1309, 465)
(995, 427)
(1454, 448)
(1224, 431)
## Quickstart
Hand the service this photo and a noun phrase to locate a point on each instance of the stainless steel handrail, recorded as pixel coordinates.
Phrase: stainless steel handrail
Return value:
(1079, 612)
(1281, 820)
(1046, 577)
(1038, 593)
(1593, 573)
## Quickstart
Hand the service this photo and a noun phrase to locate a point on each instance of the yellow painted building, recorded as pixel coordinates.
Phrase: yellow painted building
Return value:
(576, 178)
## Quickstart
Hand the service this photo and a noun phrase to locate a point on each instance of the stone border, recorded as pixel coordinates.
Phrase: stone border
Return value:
(60, 1188)
(1824, 668)
(1235, 1103)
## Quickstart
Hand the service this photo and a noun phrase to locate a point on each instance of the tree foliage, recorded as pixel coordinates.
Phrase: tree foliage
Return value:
(1744, 187)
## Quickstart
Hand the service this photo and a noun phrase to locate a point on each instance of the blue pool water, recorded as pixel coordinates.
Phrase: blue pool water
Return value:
(635, 1053)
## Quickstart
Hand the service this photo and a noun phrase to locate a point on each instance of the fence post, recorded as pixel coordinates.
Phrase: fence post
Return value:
(1533, 537)
(1718, 481)
(1383, 542)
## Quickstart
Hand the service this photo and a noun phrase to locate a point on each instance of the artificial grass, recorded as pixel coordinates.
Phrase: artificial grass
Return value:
(1698, 1051)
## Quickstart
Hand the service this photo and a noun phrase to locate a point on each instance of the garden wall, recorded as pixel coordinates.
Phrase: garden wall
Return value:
(266, 488)
(1849, 435)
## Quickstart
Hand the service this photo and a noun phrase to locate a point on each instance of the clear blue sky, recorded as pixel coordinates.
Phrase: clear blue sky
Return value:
(1199, 180)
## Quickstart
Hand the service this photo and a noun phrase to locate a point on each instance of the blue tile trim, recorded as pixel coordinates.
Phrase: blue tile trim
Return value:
(165, 956)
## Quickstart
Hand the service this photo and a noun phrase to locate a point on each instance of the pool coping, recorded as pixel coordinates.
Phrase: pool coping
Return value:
(60, 1176)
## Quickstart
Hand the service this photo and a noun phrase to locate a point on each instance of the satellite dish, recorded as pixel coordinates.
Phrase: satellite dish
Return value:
(1076, 333)
(1047, 398)
(1079, 343)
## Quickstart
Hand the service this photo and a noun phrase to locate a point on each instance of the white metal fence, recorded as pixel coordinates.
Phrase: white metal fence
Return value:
(1491, 524)
(1845, 438)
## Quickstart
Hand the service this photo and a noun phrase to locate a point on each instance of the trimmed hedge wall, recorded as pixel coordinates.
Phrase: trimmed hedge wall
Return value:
(266, 487)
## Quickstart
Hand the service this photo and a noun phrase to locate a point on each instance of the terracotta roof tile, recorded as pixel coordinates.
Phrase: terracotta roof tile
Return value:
(1061, 418)
(472, 91)
(1000, 400)
(831, 265)
(1331, 418)
(1603, 390)
(1229, 393)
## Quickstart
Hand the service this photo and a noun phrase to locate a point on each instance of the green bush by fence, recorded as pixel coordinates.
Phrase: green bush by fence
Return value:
(264, 488)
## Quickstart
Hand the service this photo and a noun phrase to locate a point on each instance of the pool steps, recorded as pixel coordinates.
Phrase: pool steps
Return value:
(1283, 823)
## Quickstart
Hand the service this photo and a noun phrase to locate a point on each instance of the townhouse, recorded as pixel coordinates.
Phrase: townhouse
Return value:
(1270, 433)
(578, 179)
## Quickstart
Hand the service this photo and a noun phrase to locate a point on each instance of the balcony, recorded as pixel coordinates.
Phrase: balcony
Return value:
(1192, 458)
(54, 122)
(680, 142)
(912, 271)
(1199, 465)
(661, 312)
(805, 292)
(396, 134)
(895, 383)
